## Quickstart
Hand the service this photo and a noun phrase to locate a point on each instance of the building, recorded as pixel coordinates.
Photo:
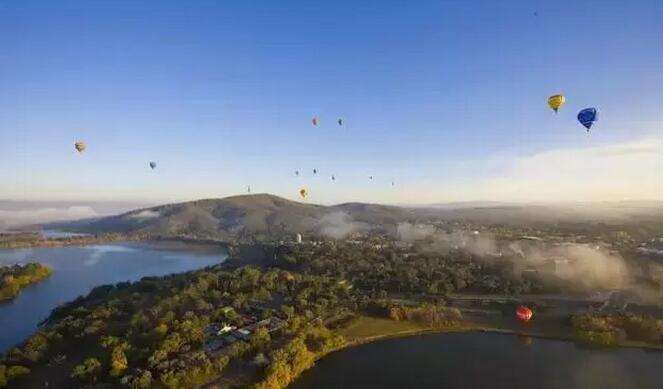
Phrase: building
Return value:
(242, 333)
(224, 329)
(558, 267)
(530, 274)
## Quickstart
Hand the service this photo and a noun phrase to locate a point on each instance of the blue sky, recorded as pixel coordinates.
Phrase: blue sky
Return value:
(445, 98)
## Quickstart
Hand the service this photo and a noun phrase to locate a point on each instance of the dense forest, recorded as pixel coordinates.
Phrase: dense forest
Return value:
(614, 329)
(385, 268)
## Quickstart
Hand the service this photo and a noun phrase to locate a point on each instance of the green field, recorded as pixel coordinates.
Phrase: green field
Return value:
(365, 328)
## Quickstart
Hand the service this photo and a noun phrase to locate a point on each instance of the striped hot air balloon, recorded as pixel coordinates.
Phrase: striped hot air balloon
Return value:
(556, 101)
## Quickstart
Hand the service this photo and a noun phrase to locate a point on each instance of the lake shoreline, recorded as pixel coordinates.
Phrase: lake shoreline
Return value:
(77, 270)
(471, 327)
(489, 330)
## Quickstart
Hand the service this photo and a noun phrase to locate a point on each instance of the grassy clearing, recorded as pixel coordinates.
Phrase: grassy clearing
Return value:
(365, 328)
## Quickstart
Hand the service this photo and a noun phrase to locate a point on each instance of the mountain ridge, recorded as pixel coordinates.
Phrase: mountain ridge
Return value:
(243, 217)
(255, 216)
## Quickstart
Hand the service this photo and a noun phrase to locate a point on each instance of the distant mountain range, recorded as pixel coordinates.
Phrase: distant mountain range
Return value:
(264, 215)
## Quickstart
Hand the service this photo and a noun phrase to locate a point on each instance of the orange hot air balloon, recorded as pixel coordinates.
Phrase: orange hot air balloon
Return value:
(524, 314)
(303, 192)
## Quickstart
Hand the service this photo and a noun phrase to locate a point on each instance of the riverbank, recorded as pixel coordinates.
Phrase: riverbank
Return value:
(37, 241)
(34, 240)
(368, 329)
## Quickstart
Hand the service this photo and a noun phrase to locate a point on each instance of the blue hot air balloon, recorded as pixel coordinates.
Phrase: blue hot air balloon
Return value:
(587, 117)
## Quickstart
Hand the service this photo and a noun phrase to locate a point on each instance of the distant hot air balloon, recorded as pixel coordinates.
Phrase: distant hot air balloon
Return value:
(333, 178)
(315, 120)
(587, 117)
(393, 184)
(556, 101)
(153, 165)
(340, 121)
(303, 193)
(524, 314)
(296, 172)
(370, 177)
(80, 146)
(315, 171)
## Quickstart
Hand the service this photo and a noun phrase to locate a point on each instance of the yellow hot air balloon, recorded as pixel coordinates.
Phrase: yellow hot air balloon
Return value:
(80, 146)
(556, 101)
(303, 192)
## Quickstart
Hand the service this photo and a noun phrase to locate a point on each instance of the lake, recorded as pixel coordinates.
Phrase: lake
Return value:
(78, 269)
(483, 360)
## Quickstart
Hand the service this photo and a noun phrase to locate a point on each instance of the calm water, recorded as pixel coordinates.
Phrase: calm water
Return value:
(480, 360)
(79, 269)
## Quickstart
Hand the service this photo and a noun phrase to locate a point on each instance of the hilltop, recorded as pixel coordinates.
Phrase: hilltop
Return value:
(245, 216)
(257, 216)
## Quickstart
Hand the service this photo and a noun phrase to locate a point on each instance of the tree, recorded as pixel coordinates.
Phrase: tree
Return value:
(142, 381)
(260, 338)
(288, 311)
(88, 371)
(3, 377)
(35, 347)
(119, 361)
(16, 371)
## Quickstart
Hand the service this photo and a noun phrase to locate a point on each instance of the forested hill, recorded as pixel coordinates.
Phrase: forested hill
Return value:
(265, 216)
(247, 216)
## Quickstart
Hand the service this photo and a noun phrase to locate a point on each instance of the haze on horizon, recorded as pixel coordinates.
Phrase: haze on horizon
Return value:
(447, 99)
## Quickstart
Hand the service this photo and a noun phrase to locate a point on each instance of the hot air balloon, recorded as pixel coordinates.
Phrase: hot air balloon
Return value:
(315, 120)
(296, 172)
(370, 177)
(587, 117)
(315, 171)
(340, 121)
(556, 101)
(524, 314)
(153, 165)
(333, 178)
(80, 146)
(303, 193)
(393, 184)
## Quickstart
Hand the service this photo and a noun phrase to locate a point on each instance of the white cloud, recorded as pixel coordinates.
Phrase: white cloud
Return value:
(15, 218)
(144, 215)
(612, 172)
(338, 225)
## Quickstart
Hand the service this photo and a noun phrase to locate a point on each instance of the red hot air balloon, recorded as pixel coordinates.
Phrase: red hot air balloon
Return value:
(524, 314)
